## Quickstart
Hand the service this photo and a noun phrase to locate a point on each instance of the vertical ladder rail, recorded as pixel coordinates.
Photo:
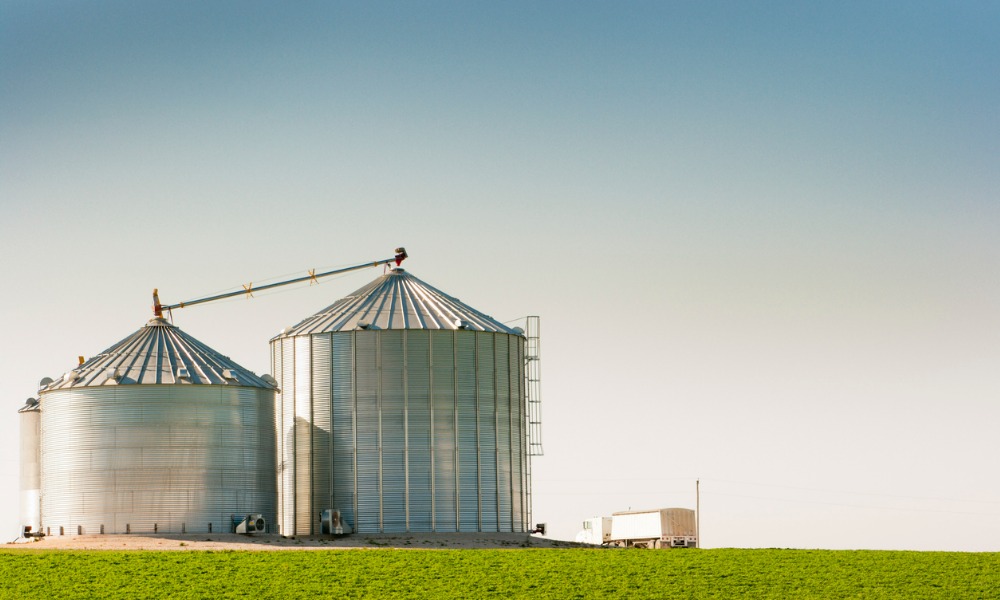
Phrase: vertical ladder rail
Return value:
(533, 400)
(533, 376)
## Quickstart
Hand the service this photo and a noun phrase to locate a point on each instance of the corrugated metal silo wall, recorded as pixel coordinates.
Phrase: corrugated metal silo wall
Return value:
(161, 457)
(403, 431)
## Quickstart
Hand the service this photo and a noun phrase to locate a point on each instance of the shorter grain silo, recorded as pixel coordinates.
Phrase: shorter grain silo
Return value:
(404, 409)
(30, 417)
(158, 433)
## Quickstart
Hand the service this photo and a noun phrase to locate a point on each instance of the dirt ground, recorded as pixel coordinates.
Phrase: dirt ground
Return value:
(230, 541)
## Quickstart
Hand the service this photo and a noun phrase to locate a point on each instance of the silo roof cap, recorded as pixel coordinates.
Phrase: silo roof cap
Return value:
(158, 353)
(397, 300)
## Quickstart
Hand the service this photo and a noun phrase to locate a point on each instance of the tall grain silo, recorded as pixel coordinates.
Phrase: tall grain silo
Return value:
(404, 409)
(158, 433)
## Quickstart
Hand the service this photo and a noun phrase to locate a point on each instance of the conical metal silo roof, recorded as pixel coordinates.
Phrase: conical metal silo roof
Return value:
(398, 300)
(159, 353)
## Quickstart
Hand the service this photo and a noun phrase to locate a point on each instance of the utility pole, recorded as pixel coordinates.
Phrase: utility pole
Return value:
(697, 510)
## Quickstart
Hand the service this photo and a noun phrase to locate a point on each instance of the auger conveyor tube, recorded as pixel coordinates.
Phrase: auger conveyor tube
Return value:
(248, 289)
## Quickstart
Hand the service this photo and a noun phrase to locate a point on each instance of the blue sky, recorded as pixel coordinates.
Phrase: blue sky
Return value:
(767, 230)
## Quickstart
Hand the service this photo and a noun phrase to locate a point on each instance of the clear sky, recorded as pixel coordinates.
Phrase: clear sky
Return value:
(762, 237)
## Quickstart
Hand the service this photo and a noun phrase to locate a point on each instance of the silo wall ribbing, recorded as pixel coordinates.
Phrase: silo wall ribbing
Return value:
(163, 458)
(402, 430)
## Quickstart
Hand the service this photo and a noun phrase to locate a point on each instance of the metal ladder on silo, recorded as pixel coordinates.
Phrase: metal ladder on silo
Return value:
(533, 380)
(533, 397)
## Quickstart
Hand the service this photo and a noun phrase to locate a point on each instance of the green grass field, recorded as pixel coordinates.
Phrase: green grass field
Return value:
(529, 573)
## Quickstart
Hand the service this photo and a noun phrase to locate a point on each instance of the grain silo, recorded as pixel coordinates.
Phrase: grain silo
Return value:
(158, 433)
(31, 473)
(404, 409)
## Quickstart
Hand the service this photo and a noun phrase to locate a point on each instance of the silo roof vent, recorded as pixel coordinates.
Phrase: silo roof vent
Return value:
(29, 405)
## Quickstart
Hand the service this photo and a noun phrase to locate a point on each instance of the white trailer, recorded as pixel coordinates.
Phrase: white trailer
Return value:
(660, 528)
(596, 531)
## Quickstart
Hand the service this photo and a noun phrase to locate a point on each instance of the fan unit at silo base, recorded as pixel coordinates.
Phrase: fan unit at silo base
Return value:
(331, 522)
(253, 523)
